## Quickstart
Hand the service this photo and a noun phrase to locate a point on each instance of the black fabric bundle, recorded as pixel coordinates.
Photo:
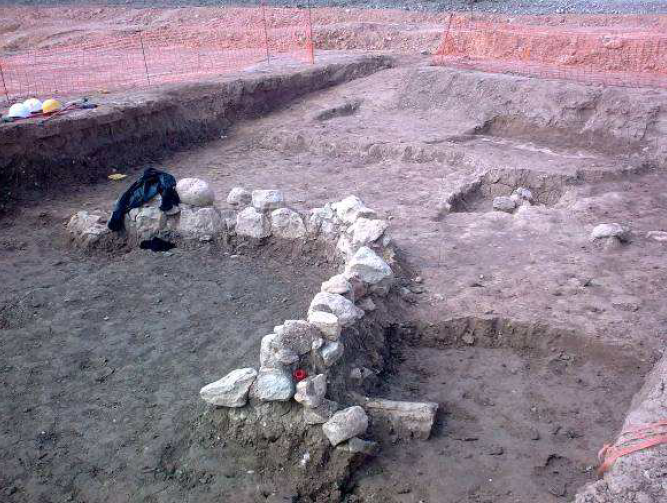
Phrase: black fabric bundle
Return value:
(151, 183)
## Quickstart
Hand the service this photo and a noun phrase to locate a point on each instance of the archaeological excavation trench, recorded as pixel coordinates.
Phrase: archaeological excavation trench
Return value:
(300, 343)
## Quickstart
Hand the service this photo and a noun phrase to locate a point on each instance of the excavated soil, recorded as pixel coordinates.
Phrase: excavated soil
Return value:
(523, 415)
(103, 359)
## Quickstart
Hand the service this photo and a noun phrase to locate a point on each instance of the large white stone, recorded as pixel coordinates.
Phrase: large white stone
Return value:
(347, 423)
(273, 385)
(252, 223)
(273, 355)
(239, 197)
(323, 220)
(410, 419)
(203, 223)
(368, 267)
(287, 224)
(230, 391)
(311, 391)
(613, 230)
(267, 200)
(331, 352)
(297, 335)
(87, 229)
(195, 192)
(146, 222)
(365, 231)
(326, 323)
(351, 208)
(346, 312)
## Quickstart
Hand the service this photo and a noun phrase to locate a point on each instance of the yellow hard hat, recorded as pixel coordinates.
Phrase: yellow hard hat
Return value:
(50, 106)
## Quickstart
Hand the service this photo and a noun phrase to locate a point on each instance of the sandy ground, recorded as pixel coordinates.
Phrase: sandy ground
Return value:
(103, 358)
(519, 424)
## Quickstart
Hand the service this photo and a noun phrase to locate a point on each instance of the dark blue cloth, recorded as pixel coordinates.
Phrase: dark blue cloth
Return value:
(151, 183)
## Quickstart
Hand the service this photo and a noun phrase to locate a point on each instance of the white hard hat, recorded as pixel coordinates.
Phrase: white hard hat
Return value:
(33, 104)
(18, 111)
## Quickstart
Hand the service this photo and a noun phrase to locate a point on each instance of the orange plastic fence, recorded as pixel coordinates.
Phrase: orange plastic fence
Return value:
(159, 56)
(606, 55)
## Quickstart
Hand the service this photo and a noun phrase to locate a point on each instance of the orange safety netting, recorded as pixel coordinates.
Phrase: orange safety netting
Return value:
(629, 56)
(140, 59)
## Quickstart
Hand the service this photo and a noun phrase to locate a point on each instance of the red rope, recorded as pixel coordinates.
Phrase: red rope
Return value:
(634, 439)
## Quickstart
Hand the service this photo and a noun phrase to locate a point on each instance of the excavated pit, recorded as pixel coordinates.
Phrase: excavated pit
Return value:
(524, 411)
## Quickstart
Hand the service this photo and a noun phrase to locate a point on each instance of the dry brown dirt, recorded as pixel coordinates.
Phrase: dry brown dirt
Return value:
(530, 336)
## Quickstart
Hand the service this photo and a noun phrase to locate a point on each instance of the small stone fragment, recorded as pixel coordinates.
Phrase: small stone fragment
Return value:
(321, 414)
(273, 385)
(326, 323)
(368, 267)
(267, 200)
(253, 224)
(195, 192)
(287, 224)
(367, 305)
(612, 230)
(239, 197)
(311, 391)
(347, 423)
(346, 312)
(504, 203)
(522, 195)
(358, 446)
(230, 391)
(331, 352)
(660, 236)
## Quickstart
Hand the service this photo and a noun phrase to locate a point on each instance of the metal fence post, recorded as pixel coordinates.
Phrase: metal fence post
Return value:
(143, 52)
(4, 85)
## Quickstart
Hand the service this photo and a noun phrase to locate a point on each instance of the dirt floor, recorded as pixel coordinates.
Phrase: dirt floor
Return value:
(103, 358)
(519, 423)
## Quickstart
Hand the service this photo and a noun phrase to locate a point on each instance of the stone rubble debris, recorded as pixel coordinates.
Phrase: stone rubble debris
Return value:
(230, 391)
(505, 204)
(239, 197)
(613, 230)
(311, 391)
(344, 425)
(331, 352)
(321, 414)
(267, 200)
(195, 192)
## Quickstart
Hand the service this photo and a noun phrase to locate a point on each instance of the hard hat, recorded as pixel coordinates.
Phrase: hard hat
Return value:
(33, 104)
(50, 106)
(18, 111)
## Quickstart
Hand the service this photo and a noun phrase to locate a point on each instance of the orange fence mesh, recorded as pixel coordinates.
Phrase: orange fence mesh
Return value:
(629, 57)
(160, 56)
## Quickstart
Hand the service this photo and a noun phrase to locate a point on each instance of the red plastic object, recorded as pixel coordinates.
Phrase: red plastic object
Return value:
(300, 375)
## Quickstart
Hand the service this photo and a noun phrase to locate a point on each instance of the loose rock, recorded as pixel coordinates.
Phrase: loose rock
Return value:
(505, 204)
(200, 222)
(368, 267)
(297, 335)
(331, 352)
(326, 323)
(351, 208)
(346, 312)
(86, 229)
(253, 224)
(311, 391)
(657, 236)
(321, 414)
(358, 446)
(323, 220)
(239, 197)
(340, 285)
(287, 224)
(344, 425)
(412, 419)
(365, 231)
(267, 200)
(230, 391)
(613, 230)
(195, 192)
(273, 385)
(273, 355)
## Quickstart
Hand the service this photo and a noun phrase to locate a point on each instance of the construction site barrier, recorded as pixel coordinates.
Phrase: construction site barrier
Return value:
(585, 53)
(146, 58)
